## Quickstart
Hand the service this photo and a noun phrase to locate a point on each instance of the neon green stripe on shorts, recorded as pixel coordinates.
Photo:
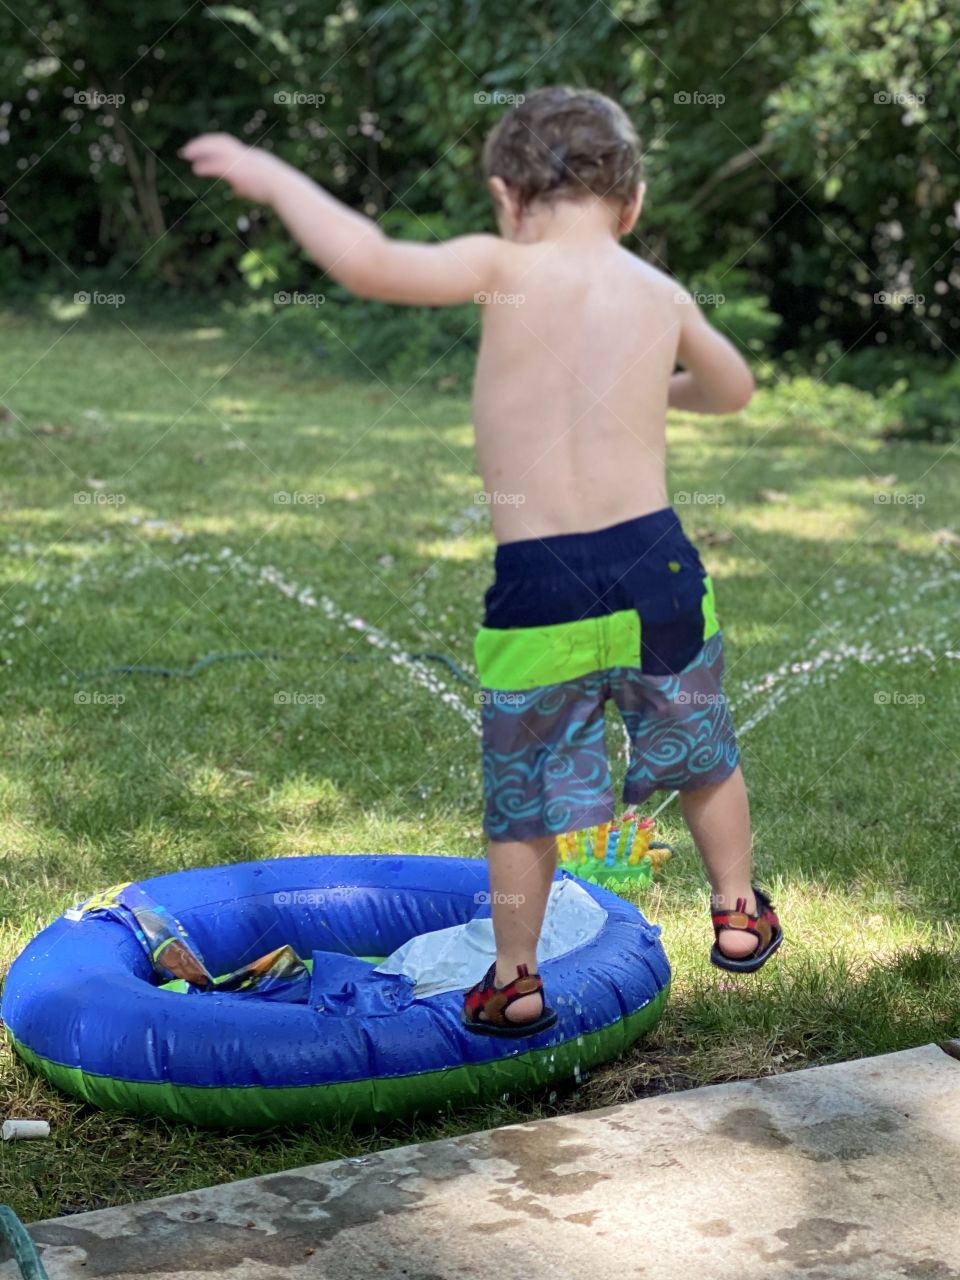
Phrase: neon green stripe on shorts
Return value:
(516, 658)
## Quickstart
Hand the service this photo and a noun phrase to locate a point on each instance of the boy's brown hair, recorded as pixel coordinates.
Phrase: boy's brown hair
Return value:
(562, 142)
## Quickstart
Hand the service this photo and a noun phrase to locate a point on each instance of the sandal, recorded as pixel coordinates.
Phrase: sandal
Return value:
(764, 924)
(492, 1001)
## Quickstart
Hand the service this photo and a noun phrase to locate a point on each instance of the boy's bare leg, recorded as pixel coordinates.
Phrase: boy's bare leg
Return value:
(521, 872)
(719, 821)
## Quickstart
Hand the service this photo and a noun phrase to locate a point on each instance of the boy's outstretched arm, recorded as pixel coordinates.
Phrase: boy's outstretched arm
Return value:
(348, 244)
(715, 377)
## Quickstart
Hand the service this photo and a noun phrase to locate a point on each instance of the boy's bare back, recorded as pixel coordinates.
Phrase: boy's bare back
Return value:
(579, 344)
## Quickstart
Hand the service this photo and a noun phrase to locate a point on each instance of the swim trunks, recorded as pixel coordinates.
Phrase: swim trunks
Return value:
(572, 621)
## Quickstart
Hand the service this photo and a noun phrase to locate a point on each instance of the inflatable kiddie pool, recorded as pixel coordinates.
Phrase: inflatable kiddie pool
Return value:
(342, 996)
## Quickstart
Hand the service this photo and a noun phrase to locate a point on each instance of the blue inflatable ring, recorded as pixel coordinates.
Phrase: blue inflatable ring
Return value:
(83, 1006)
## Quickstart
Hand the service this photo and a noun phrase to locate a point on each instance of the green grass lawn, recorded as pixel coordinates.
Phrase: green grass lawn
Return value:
(179, 440)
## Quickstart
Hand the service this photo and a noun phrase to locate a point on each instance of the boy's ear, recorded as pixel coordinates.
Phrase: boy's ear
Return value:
(507, 205)
(631, 210)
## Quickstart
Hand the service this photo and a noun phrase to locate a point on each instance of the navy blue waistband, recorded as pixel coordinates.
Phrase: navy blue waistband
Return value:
(616, 544)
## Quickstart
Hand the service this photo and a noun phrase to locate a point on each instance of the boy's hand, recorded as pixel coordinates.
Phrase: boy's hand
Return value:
(250, 171)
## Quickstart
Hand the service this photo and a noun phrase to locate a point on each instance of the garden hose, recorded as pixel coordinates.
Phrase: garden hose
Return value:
(134, 669)
(16, 1243)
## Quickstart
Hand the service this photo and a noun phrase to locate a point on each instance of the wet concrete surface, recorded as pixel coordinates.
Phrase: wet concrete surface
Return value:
(849, 1171)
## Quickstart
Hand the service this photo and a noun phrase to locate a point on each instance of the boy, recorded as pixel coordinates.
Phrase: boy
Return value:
(598, 594)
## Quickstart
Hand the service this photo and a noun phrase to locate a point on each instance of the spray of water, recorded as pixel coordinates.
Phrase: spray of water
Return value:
(905, 619)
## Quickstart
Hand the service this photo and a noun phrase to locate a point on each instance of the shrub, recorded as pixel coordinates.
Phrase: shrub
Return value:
(930, 409)
(743, 316)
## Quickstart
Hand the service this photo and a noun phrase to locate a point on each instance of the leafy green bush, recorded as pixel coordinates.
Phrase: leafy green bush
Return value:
(930, 410)
(920, 394)
(876, 368)
(401, 344)
(351, 337)
(743, 315)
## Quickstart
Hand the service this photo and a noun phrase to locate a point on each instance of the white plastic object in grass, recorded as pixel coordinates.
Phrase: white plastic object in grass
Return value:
(17, 1129)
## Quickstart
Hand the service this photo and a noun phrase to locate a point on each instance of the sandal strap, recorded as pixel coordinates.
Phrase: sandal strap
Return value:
(764, 924)
(494, 1000)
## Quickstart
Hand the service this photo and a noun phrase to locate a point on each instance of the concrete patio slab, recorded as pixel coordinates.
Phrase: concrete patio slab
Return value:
(849, 1171)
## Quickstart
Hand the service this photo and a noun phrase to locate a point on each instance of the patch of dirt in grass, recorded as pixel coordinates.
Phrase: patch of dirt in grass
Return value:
(668, 1063)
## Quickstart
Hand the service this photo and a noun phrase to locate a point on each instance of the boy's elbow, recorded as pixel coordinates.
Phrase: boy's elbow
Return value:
(361, 268)
(740, 393)
(749, 387)
(358, 278)
(362, 284)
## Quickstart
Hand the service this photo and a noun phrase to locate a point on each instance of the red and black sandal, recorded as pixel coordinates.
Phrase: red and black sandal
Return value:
(764, 925)
(487, 998)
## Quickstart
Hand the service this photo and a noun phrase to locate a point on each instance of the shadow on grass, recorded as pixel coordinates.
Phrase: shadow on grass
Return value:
(808, 1012)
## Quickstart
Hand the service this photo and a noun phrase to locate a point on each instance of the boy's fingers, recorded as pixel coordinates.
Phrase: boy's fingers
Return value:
(211, 137)
(206, 144)
(209, 164)
(201, 155)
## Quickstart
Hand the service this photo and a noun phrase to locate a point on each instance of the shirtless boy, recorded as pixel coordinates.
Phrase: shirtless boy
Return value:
(598, 595)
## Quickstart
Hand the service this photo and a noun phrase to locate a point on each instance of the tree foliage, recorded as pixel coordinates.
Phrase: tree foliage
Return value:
(801, 159)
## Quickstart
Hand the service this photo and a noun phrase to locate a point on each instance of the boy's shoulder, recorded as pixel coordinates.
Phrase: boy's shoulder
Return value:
(656, 279)
(510, 257)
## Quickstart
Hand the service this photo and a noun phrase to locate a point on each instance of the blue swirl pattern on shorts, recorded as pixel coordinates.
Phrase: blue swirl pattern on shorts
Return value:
(680, 729)
(544, 760)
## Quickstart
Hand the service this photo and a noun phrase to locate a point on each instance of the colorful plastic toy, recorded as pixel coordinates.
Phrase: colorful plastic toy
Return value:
(619, 856)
